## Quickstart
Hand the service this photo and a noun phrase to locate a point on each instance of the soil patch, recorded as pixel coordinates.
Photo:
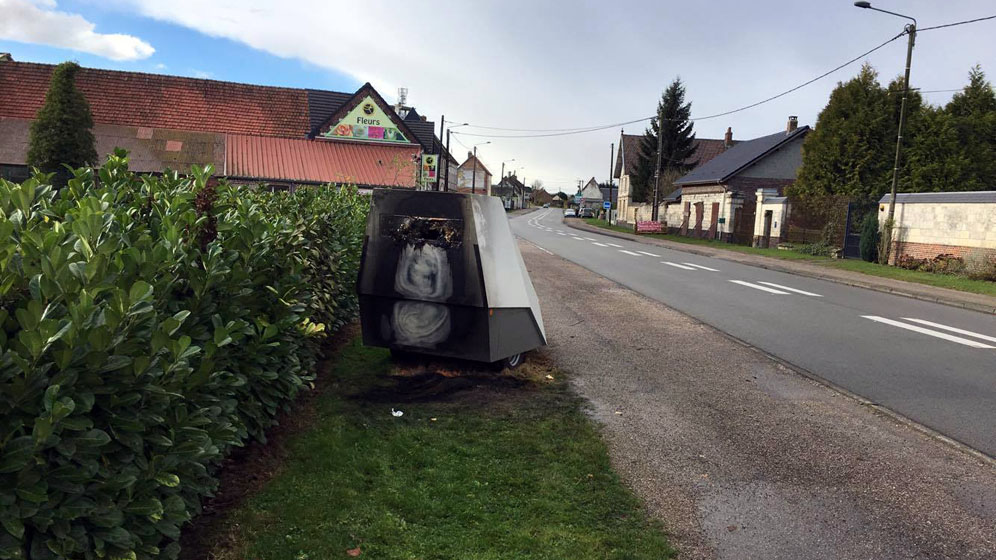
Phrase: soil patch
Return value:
(247, 470)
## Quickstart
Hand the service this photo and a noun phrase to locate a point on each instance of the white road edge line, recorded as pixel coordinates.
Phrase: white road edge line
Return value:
(922, 330)
(952, 329)
(762, 288)
(676, 265)
(649, 254)
(629, 252)
(599, 244)
(612, 244)
(544, 250)
(702, 267)
(779, 286)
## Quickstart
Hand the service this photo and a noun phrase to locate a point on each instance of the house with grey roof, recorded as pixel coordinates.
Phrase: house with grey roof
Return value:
(718, 200)
(627, 158)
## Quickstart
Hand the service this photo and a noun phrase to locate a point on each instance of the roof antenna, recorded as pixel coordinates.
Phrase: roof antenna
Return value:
(401, 108)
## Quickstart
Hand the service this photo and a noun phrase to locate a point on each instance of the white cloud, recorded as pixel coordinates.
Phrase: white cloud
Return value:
(160, 66)
(38, 22)
(542, 65)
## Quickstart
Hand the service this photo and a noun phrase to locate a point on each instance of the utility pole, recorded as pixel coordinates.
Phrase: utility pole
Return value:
(473, 182)
(890, 224)
(612, 157)
(910, 30)
(442, 125)
(657, 168)
(446, 183)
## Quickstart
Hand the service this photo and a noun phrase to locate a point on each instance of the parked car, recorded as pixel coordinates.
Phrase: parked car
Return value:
(546, 206)
(570, 213)
(586, 213)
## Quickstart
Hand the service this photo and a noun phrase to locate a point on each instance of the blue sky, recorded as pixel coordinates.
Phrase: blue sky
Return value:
(180, 51)
(521, 63)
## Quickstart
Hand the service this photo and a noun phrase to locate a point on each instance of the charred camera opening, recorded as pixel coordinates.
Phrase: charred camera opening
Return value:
(418, 231)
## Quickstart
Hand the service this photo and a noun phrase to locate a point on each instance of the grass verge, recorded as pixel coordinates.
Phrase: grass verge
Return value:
(481, 466)
(949, 281)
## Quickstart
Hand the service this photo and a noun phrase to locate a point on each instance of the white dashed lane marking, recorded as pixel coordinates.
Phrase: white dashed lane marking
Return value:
(588, 238)
(762, 288)
(702, 267)
(600, 244)
(952, 329)
(613, 245)
(930, 332)
(780, 287)
(648, 254)
(676, 265)
(629, 252)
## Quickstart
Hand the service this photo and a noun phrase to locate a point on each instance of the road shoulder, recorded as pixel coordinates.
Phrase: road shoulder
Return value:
(741, 456)
(954, 298)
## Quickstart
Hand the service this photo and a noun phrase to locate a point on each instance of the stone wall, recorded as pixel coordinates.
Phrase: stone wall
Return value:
(927, 226)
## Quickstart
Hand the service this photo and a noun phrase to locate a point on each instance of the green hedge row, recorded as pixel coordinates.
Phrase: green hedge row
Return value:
(147, 326)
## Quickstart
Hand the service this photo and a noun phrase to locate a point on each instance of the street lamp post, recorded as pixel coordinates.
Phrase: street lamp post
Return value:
(473, 182)
(911, 31)
(446, 184)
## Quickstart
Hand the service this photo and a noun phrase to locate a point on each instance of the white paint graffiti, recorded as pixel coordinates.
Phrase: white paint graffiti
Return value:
(420, 323)
(423, 273)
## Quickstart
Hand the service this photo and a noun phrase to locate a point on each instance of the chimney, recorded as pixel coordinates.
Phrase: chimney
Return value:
(470, 154)
(728, 139)
(422, 117)
(792, 124)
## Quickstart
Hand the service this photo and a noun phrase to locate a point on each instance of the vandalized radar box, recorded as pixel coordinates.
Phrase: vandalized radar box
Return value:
(441, 274)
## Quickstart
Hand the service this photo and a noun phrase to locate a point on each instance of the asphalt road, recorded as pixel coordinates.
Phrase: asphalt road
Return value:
(932, 363)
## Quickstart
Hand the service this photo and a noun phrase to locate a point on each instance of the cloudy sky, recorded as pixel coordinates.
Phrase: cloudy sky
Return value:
(513, 64)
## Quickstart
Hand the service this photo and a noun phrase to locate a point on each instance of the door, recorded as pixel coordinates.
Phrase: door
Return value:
(699, 214)
(766, 237)
(713, 220)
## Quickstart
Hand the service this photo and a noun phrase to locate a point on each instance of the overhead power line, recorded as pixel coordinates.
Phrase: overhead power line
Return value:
(582, 130)
(955, 23)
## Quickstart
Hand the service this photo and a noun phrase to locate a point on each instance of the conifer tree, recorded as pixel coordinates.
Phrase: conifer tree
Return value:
(677, 143)
(62, 133)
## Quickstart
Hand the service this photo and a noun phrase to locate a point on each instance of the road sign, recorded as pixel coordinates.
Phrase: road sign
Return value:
(606, 204)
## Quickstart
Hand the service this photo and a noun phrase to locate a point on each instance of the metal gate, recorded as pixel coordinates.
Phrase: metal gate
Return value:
(852, 235)
(743, 223)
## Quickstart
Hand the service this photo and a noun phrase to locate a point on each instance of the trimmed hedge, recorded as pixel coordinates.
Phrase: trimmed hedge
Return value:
(147, 326)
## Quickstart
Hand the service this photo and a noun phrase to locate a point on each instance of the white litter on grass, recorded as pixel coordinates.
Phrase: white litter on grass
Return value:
(397, 413)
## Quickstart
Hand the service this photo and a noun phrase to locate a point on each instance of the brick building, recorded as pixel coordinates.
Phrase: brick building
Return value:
(249, 133)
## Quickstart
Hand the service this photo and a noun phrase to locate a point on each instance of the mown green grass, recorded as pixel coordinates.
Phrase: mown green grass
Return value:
(513, 473)
(950, 281)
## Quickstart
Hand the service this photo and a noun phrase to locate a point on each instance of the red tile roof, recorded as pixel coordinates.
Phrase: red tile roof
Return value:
(160, 101)
(706, 149)
(318, 161)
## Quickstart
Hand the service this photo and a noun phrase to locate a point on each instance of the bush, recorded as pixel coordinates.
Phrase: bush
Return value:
(820, 249)
(148, 325)
(941, 264)
(981, 265)
(868, 245)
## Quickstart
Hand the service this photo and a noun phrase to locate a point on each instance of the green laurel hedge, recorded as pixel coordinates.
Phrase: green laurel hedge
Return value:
(147, 326)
